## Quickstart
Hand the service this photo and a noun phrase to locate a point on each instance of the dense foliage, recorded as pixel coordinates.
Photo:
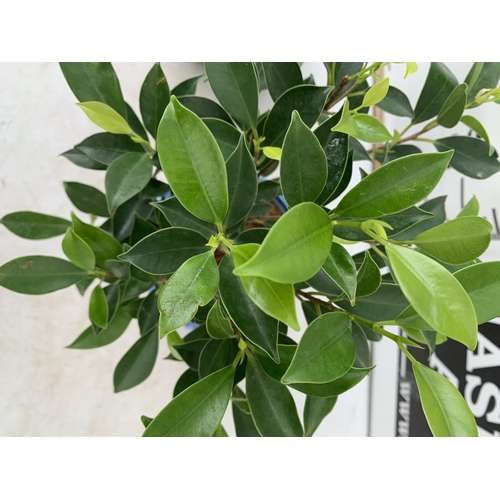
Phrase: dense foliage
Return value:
(229, 248)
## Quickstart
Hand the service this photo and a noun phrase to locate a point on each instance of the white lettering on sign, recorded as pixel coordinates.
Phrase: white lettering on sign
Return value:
(487, 391)
(488, 355)
(441, 368)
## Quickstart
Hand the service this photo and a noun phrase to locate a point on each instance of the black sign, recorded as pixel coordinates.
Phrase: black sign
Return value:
(475, 374)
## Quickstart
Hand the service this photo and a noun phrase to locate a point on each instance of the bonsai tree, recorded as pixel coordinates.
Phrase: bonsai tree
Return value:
(229, 248)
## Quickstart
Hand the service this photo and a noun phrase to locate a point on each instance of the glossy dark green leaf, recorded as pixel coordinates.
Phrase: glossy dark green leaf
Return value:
(396, 152)
(226, 135)
(126, 177)
(488, 77)
(39, 274)
(146, 420)
(102, 244)
(359, 152)
(273, 408)
(236, 87)
(194, 284)
(310, 314)
(435, 294)
(190, 351)
(457, 241)
(218, 326)
(105, 148)
(303, 164)
(119, 268)
(286, 256)
(112, 294)
(474, 124)
(273, 369)
(141, 229)
(255, 235)
(326, 351)
(95, 81)
(315, 411)
(187, 379)
(344, 180)
(98, 307)
(267, 191)
(193, 163)
(198, 410)
(343, 384)
(307, 100)
(77, 251)
(341, 268)
(243, 423)
(216, 354)
(444, 407)
(204, 108)
(89, 340)
(148, 313)
(363, 356)
(137, 364)
(34, 226)
(82, 160)
(187, 87)
(154, 98)
(84, 284)
(135, 124)
(255, 325)
(324, 284)
(275, 299)
(380, 193)
(368, 277)
(451, 111)
(396, 103)
(135, 287)
(242, 183)
(471, 157)
(164, 251)
(438, 86)
(87, 199)
(281, 76)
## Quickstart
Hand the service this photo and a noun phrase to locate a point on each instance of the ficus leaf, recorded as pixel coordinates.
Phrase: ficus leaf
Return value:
(218, 327)
(34, 226)
(226, 135)
(272, 152)
(376, 93)
(98, 307)
(474, 124)
(77, 251)
(87, 199)
(368, 277)
(281, 76)
(396, 103)
(451, 111)
(105, 117)
(341, 269)
(315, 411)
(187, 87)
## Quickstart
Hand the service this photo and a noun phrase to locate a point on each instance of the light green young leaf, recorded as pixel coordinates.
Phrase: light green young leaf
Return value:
(346, 124)
(77, 251)
(193, 285)
(218, 327)
(272, 152)
(370, 129)
(197, 411)
(376, 93)
(126, 176)
(457, 241)
(315, 411)
(303, 164)
(474, 124)
(470, 208)
(193, 163)
(34, 226)
(411, 67)
(451, 111)
(341, 269)
(275, 299)
(325, 352)
(105, 117)
(435, 294)
(444, 407)
(98, 307)
(288, 255)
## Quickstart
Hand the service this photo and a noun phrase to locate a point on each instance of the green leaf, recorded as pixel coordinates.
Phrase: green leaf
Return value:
(187, 87)
(216, 354)
(154, 98)
(105, 117)
(89, 340)
(368, 277)
(218, 327)
(136, 125)
(472, 156)
(395, 152)
(438, 86)
(267, 191)
(164, 251)
(343, 70)
(77, 251)
(98, 307)
(307, 100)
(87, 199)
(363, 356)
(281, 76)
(376, 93)
(103, 245)
(380, 193)
(359, 152)
(95, 81)
(146, 420)
(137, 364)
(38, 274)
(194, 284)
(345, 179)
(273, 369)
(193, 163)
(451, 111)
(303, 164)
(341, 269)
(343, 384)
(396, 103)
(286, 256)
(489, 74)
(127, 176)
(254, 235)
(148, 313)
(435, 294)
(411, 67)
(187, 379)
(444, 407)
(482, 284)
(235, 86)
(326, 351)
(474, 124)
(275, 299)
(369, 129)
(198, 410)
(105, 148)
(457, 241)
(82, 160)
(205, 108)
(242, 183)
(258, 327)
(315, 410)
(226, 135)
(273, 408)
(189, 351)
(141, 229)
(112, 293)
(34, 226)
(243, 421)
